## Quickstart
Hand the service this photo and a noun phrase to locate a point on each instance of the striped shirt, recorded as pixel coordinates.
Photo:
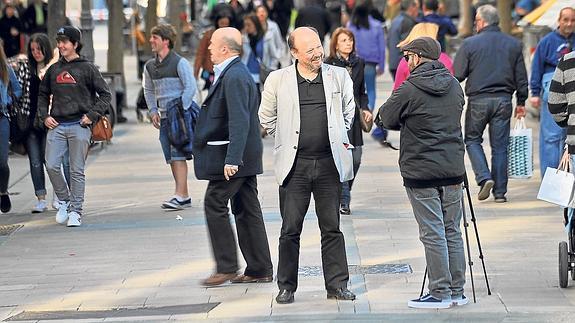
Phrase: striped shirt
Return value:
(562, 97)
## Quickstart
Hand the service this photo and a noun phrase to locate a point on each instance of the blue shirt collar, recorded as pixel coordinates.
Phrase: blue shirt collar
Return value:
(219, 68)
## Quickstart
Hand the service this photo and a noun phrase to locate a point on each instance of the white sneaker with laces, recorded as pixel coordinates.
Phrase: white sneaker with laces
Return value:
(62, 214)
(40, 206)
(74, 219)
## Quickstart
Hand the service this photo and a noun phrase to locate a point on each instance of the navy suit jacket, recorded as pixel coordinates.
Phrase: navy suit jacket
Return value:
(229, 113)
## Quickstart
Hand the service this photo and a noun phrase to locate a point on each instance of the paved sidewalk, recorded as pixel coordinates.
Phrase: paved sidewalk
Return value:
(131, 255)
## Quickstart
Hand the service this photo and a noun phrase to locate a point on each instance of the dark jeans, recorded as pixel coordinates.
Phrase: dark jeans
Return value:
(321, 178)
(4, 147)
(36, 149)
(250, 227)
(346, 186)
(495, 112)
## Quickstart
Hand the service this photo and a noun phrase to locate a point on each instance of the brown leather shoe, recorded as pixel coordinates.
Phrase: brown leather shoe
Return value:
(218, 279)
(249, 279)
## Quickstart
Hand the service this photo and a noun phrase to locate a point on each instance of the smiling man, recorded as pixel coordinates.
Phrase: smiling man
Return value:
(308, 107)
(167, 77)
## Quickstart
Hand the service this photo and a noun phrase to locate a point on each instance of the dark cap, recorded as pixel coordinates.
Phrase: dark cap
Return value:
(72, 33)
(425, 47)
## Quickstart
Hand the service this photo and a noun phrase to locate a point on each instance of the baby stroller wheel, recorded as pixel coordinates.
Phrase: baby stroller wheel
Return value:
(563, 264)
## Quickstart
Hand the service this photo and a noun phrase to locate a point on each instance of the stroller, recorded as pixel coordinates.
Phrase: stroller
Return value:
(567, 250)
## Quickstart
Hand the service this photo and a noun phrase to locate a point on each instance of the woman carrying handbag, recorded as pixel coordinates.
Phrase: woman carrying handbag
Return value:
(342, 54)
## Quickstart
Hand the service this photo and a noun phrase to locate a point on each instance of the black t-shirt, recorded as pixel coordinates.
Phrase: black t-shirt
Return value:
(313, 139)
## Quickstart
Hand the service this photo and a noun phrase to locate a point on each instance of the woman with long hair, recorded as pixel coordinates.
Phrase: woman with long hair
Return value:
(342, 54)
(31, 69)
(370, 46)
(259, 50)
(8, 82)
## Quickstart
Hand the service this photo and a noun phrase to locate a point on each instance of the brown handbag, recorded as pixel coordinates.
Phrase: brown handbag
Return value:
(365, 126)
(102, 130)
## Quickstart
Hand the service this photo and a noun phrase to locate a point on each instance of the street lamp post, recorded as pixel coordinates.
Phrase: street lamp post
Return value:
(87, 27)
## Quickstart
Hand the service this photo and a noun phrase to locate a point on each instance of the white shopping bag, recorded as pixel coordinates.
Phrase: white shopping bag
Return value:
(557, 184)
(520, 151)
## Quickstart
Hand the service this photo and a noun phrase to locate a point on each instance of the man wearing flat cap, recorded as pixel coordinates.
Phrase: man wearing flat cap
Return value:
(427, 108)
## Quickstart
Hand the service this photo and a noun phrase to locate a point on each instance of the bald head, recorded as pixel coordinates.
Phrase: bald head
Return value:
(225, 43)
(303, 34)
(306, 48)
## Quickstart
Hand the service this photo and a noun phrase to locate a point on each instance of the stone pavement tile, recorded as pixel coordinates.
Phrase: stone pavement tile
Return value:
(9, 298)
(112, 302)
(306, 302)
(176, 300)
(183, 291)
(149, 318)
(6, 312)
(254, 305)
(189, 317)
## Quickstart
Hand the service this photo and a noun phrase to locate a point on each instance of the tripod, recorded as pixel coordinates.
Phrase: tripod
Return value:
(466, 225)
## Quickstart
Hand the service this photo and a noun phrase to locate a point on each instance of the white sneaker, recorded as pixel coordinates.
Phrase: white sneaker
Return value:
(460, 301)
(62, 214)
(40, 207)
(74, 219)
(55, 202)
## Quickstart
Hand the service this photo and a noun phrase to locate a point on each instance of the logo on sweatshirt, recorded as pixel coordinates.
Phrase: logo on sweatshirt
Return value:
(65, 78)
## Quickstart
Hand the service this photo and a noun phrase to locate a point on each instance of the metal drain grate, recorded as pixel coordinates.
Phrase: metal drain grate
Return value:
(361, 270)
(6, 230)
(114, 313)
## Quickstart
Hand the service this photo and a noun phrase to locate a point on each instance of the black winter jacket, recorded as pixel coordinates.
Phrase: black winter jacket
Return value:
(427, 108)
(492, 62)
(77, 87)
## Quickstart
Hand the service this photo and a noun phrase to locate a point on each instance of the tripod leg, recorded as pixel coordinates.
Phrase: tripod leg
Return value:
(473, 219)
(423, 284)
(470, 262)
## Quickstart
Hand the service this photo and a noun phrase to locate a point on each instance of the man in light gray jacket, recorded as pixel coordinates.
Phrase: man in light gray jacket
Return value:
(308, 107)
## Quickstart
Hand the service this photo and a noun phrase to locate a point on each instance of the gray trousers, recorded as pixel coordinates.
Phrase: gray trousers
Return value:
(438, 213)
(75, 140)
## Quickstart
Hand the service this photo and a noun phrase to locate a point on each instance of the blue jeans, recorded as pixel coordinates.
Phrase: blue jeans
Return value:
(369, 76)
(551, 136)
(495, 112)
(438, 212)
(4, 147)
(346, 186)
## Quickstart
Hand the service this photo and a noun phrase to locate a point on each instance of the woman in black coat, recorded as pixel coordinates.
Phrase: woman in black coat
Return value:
(342, 54)
(10, 29)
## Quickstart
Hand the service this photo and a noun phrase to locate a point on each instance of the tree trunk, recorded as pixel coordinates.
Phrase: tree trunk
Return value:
(151, 21)
(57, 18)
(466, 22)
(504, 9)
(175, 7)
(115, 37)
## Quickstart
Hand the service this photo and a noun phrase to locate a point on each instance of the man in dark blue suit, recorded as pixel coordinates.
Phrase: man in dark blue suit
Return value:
(228, 153)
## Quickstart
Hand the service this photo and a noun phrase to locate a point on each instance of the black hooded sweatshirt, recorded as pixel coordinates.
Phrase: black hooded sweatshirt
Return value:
(77, 87)
(427, 109)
